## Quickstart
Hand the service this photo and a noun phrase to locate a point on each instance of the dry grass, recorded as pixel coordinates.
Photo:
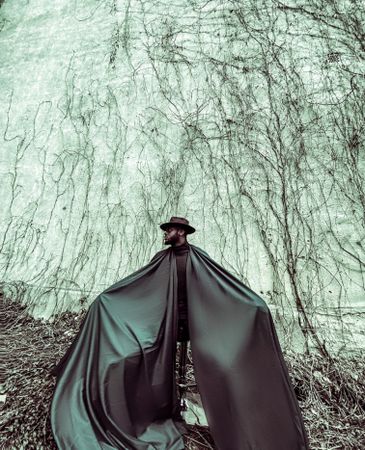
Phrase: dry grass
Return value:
(331, 393)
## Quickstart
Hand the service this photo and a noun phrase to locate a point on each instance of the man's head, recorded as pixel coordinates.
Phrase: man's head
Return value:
(176, 230)
(175, 235)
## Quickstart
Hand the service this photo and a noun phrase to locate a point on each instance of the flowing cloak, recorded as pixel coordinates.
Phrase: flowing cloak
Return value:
(115, 386)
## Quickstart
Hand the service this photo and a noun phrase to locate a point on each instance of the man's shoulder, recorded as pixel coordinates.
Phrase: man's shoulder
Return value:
(158, 254)
(200, 250)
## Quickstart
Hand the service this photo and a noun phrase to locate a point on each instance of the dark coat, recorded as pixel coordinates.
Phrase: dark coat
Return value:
(116, 385)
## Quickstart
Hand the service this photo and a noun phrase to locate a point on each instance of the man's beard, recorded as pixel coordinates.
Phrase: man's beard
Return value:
(169, 241)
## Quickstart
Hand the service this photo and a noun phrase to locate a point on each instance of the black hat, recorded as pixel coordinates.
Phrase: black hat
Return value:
(178, 221)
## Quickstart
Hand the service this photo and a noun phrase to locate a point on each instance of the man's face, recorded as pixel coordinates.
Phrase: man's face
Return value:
(172, 234)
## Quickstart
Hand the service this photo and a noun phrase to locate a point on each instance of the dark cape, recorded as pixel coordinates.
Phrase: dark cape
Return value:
(115, 384)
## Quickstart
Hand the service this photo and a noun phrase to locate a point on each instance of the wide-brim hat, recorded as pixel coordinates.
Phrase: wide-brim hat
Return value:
(178, 221)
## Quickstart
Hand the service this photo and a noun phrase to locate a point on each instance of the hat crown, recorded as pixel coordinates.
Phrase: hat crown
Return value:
(181, 220)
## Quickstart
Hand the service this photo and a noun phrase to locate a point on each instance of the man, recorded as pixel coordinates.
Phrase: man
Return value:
(116, 384)
(175, 234)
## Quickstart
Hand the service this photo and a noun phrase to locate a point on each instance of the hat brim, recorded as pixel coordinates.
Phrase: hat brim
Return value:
(188, 228)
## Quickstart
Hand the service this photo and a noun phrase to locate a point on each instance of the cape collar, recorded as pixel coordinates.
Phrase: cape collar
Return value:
(180, 249)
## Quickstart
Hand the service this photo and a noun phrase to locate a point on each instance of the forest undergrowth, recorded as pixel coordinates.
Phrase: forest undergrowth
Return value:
(330, 393)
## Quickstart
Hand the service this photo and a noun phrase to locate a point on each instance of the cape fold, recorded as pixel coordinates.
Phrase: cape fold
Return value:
(116, 383)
